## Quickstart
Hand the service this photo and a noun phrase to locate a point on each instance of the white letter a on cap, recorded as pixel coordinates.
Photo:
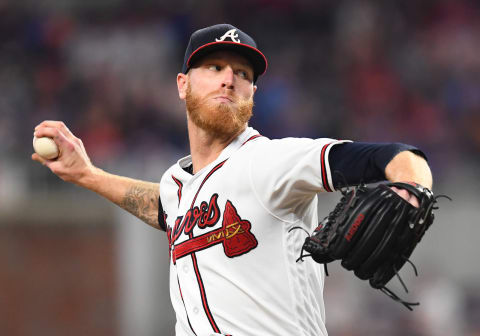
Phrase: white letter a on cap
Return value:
(231, 33)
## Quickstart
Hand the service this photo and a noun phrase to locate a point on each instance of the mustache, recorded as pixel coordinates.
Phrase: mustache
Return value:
(224, 93)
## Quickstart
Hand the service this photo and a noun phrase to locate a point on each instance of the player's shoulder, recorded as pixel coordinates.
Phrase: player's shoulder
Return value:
(292, 144)
(301, 141)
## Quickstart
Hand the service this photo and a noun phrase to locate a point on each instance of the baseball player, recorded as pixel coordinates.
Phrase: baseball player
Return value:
(228, 207)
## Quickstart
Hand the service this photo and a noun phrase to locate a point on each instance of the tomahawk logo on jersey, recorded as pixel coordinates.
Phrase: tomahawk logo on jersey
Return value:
(229, 222)
(234, 233)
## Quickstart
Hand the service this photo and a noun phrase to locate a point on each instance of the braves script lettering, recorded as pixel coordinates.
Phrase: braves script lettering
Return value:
(205, 215)
(234, 233)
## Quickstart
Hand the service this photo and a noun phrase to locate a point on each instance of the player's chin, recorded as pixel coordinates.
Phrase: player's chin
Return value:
(226, 126)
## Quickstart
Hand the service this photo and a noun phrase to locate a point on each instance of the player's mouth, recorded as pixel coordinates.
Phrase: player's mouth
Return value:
(224, 99)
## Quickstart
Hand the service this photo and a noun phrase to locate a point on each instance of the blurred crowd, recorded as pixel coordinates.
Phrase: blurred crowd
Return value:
(406, 71)
(363, 70)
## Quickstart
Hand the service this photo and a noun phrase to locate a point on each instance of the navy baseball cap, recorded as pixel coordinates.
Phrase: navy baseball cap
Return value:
(224, 37)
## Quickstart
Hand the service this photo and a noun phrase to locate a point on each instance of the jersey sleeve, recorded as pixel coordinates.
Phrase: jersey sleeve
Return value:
(287, 173)
(353, 163)
(169, 197)
(161, 216)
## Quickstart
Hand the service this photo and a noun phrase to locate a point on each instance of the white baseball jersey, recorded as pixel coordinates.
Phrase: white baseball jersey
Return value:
(233, 268)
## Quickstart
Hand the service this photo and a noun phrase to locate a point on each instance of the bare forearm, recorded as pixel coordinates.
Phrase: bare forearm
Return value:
(140, 198)
(73, 165)
(407, 166)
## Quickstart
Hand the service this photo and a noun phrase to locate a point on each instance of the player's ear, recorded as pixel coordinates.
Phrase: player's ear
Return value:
(182, 80)
(254, 88)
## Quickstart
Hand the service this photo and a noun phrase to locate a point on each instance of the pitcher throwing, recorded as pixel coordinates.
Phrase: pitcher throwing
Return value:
(229, 207)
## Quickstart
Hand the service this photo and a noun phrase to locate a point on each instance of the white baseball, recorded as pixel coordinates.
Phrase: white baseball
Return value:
(45, 147)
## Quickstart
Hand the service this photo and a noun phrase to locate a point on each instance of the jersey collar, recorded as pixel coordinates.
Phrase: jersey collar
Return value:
(225, 154)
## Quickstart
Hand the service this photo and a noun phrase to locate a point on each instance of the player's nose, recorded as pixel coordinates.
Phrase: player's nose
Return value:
(228, 78)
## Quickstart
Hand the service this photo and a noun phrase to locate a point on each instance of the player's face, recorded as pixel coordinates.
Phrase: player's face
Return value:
(219, 93)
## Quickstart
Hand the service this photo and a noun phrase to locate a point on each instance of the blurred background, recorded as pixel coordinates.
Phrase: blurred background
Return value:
(72, 264)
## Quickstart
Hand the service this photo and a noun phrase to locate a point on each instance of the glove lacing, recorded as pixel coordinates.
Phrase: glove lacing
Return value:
(385, 290)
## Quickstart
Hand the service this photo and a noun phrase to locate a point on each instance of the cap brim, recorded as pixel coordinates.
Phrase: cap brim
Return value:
(253, 55)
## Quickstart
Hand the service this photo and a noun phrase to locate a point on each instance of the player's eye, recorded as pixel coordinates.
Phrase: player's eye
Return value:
(244, 74)
(214, 67)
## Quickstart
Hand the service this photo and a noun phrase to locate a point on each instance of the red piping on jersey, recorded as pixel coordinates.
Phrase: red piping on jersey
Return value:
(206, 308)
(181, 295)
(180, 186)
(324, 169)
(252, 137)
(218, 166)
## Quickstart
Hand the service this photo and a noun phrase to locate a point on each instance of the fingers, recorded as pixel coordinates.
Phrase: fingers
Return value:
(407, 196)
(414, 201)
(73, 163)
(52, 123)
(59, 125)
(51, 132)
(38, 158)
(61, 135)
(44, 162)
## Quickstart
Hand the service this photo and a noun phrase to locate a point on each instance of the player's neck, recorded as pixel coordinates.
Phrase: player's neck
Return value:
(205, 147)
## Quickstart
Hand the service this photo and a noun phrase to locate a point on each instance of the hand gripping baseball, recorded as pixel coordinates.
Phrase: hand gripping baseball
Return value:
(72, 164)
(373, 231)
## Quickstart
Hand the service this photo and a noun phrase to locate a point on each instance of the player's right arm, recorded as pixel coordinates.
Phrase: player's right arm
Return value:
(140, 198)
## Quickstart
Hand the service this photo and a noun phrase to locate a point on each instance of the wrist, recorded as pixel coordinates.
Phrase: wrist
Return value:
(90, 178)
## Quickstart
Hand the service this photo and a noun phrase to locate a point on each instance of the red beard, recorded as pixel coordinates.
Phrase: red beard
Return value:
(222, 120)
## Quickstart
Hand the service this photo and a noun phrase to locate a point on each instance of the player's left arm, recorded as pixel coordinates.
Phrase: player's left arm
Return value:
(407, 166)
(354, 163)
(359, 162)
